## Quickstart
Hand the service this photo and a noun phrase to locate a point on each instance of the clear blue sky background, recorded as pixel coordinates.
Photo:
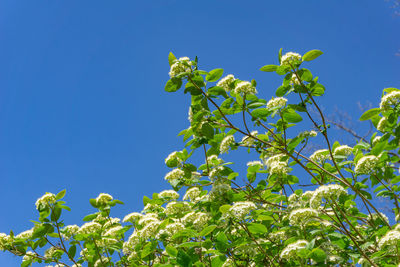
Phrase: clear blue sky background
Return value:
(82, 101)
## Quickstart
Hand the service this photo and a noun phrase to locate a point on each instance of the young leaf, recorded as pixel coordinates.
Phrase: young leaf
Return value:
(269, 68)
(311, 55)
(173, 84)
(171, 58)
(369, 114)
(214, 75)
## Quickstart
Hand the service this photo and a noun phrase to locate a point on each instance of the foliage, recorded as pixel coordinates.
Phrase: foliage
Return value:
(263, 218)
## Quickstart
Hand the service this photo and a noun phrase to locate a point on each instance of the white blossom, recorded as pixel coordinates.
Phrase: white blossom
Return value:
(366, 164)
(89, 228)
(391, 238)
(242, 208)
(177, 208)
(382, 124)
(291, 250)
(389, 100)
(227, 82)
(174, 174)
(276, 102)
(320, 155)
(226, 143)
(249, 141)
(289, 58)
(169, 194)
(46, 200)
(131, 217)
(343, 151)
(302, 216)
(181, 65)
(103, 199)
(192, 194)
(245, 88)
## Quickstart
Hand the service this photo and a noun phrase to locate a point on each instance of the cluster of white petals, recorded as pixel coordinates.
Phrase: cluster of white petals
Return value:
(171, 229)
(89, 228)
(276, 102)
(29, 255)
(171, 194)
(114, 231)
(4, 241)
(391, 238)
(181, 65)
(132, 217)
(375, 216)
(302, 216)
(245, 87)
(276, 165)
(177, 208)
(376, 140)
(254, 163)
(343, 151)
(389, 100)
(307, 134)
(291, 250)
(326, 191)
(215, 172)
(103, 199)
(213, 160)
(289, 58)
(366, 164)
(226, 143)
(46, 200)
(249, 141)
(51, 252)
(192, 194)
(174, 174)
(219, 189)
(320, 155)
(227, 82)
(69, 231)
(382, 124)
(103, 261)
(25, 234)
(172, 158)
(241, 208)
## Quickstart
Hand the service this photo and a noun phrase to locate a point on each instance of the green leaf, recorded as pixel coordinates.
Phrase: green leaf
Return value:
(280, 55)
(90, 217)
(305, 75)
(146, 200)
(183, 259)
(208, 230)
(257, 228)
(171, 58)
(214, 75)
(218, 261)
(207, 130)
(148, 248)
(311, 55)
(60, 195)
(282, 90)
(72, 251)
(173, 84)
(269, 68)
(260, 113)
(369, 114)
(318, 255)
(291, 116)
(171, 251)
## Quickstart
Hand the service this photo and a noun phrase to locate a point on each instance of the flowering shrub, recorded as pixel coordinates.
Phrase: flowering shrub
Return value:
(215, 216)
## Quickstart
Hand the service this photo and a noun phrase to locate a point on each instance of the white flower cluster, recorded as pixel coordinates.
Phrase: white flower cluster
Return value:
(255, 163)
(249, 141)
(174, 174)
(276, 165)
(213, 160)
(320, 155)
(277, 102)
(215, 172)
(376, 140)
(219, 189)
(177, 208)
(389, 100)
(327, 192)
(102, 262)
(89, 228)
(291, 250)
(302, 216)
(227, 82)
(171, 229)
(103, 199)
(245, 88)
(69, 231)
(366, 164)
(181, 65)
(289, 58)
(52, 252)
(382, 124)
(4, 241)
(29, 255)
(226, 143)
(173, 158)
(25, 234)
(343, 151)
(132, 217)
(242, 208)
(171, 194)
(391, 238)
(300, 201)
(192, 194)
(294, 80)
(46, 200)
(307, 134)
(197, 219)
(114, 231)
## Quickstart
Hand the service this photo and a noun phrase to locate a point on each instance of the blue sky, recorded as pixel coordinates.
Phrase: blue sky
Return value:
(82, 101)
